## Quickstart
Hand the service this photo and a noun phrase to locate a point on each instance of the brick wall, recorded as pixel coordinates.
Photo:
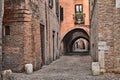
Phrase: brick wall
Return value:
(117, 40)
(1, 14)
(23, 45)
(108, 37)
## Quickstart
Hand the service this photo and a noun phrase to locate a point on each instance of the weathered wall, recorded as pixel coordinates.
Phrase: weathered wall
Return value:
(117, 40)
(108, 34)
(23, 45)
(1, 15)
(12, 43)
(105, 30)
(93, 31)
(54, 31)
(18, 48)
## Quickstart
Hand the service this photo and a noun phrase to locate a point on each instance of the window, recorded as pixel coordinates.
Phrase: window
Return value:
(79, 16)
(7, 30)
(78, 8)
(51, 3)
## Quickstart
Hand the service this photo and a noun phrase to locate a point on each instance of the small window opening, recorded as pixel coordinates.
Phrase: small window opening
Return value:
(7, 30)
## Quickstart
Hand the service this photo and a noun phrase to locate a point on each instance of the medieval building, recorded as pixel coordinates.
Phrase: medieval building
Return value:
(40, 31)
(105, 37)
(74, 24)
(30, 33)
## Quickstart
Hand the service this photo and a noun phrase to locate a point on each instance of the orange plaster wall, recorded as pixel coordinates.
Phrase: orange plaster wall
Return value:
(69, 11)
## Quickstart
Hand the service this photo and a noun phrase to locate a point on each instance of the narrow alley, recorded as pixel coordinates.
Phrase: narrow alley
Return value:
(73, 67)
(60, 40)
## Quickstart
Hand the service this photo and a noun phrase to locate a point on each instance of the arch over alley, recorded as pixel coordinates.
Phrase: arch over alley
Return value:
(71, 37)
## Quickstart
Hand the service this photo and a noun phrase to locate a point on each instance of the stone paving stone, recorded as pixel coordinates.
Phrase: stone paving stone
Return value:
(66, 68)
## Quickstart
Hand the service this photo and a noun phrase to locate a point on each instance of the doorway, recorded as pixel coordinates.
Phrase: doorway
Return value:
(53, 45)
(42, 33)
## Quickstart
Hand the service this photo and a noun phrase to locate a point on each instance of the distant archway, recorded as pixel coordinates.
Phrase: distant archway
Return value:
(80, 45)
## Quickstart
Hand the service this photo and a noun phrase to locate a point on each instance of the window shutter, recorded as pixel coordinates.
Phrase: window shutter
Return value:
(61, 13)
(57, 8)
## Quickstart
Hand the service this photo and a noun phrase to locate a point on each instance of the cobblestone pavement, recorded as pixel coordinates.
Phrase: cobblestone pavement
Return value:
(65, 68)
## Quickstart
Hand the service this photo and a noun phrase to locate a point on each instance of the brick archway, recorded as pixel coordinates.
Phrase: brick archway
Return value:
(74, 40)
(63, 33)
(71, 36)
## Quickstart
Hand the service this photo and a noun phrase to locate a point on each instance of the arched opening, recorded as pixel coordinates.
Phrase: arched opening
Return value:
(80, 45)
(76, 40)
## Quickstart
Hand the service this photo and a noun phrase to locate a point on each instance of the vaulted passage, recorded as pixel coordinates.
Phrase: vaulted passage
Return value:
(80, 45)
(76, 40)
